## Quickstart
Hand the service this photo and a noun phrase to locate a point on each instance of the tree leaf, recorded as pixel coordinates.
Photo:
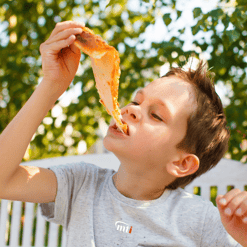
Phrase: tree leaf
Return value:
(233, 35)
(197, 12)
(226, 21)
(112, 2)
(179, 13)
(181, 30)
(167, 19)
(216, 13)
(195, 29)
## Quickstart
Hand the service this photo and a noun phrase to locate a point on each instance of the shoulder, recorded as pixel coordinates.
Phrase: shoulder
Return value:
(203, 217)
(187, 198)
(182, 200)
(80, 167)
(194, 209)
(196, 206)
(81, 171)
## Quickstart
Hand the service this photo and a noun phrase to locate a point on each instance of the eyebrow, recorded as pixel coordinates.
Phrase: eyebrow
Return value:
(159, 102)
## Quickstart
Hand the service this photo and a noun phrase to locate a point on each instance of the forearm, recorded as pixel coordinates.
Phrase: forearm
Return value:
(17, 135)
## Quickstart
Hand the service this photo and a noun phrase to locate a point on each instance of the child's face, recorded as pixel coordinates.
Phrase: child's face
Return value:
(154, 129)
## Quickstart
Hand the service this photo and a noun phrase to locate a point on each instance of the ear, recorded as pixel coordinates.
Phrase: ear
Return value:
(188, 164)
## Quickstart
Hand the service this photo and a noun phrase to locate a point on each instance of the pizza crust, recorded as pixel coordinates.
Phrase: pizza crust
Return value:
(105, 64)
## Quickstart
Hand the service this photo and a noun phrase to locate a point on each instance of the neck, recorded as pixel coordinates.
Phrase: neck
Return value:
(141, 185)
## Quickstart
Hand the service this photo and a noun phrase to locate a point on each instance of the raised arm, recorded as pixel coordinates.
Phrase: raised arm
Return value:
(59, 68)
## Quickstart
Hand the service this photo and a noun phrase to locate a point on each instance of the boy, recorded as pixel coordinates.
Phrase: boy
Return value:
(175, 132)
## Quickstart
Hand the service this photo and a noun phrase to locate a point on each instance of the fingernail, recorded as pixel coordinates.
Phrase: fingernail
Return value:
(228, 211)
(222, 201)
(245, 220)
(239, 212)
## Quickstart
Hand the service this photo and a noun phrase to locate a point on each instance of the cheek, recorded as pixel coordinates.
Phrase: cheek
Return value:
(179, 133)
(152, 139)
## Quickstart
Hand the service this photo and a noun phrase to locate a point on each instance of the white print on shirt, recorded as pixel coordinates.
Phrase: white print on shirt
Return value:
(121, 226)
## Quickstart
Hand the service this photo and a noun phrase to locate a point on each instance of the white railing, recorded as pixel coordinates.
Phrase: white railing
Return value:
(37, 232)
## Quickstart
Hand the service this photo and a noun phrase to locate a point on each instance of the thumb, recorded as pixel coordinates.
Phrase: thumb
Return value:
(75, 49)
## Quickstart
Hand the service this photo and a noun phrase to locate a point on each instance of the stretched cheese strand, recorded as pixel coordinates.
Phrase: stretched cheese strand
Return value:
(105, 63)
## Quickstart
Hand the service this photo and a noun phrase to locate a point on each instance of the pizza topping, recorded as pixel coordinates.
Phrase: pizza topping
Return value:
(81, 39)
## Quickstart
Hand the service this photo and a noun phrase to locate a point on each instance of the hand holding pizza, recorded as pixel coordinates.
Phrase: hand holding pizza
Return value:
(60, 60)
(60, 57)
(233, 211)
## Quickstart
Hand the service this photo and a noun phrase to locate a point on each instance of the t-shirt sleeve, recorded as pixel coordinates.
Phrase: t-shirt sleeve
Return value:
(70, 179)
(214, 233)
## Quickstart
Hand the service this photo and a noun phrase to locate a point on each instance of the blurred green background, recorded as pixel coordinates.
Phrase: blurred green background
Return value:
(149, 35)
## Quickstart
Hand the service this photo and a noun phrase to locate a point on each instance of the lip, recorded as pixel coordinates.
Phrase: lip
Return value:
(116, 132)
(113, 128)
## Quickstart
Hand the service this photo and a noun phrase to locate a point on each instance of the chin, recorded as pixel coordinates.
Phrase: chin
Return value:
(109, 144)
(112, 146)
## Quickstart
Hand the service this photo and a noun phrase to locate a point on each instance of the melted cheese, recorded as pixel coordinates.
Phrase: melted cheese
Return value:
(105, 63)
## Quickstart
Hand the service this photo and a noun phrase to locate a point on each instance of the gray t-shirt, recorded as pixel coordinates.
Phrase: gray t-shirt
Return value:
(95, 213)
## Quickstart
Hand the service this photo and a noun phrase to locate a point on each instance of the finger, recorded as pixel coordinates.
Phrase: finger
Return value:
(60, 26)
(234, 203)
(241, 210)
(64, 35)
(64, 43)
(221, 208)
(224, 200)
(75, 49)
(221, 202)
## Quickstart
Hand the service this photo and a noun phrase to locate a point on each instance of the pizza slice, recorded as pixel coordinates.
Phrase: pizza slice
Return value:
(105, 64)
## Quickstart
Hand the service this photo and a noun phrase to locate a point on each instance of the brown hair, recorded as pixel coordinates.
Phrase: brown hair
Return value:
(207, 135)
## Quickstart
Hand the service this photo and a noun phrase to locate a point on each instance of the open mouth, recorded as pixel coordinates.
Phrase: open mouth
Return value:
(116, 128)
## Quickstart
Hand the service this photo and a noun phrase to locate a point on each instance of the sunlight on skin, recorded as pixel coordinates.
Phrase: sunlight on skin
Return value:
(31, 171)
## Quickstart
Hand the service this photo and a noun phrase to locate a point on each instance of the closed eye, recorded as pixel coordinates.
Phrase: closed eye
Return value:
(157, 117)
(154, 115)
(134, 103)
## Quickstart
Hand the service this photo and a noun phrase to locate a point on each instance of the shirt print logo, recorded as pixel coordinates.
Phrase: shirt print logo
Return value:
(121, 226)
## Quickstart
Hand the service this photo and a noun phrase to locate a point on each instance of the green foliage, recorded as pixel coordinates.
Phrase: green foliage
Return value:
(112, 2)
(28, 23)
(167, 20)
(124, 2)
(197, 12)
(228, 59)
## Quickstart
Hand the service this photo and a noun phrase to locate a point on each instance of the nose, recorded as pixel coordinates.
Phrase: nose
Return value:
(131, 113)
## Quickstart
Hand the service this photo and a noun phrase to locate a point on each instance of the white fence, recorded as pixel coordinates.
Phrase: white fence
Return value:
(28, 228)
